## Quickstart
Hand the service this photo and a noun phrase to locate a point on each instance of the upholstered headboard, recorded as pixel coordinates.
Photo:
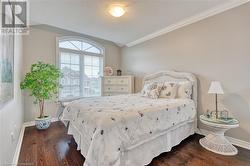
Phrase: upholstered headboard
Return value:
(175, 77)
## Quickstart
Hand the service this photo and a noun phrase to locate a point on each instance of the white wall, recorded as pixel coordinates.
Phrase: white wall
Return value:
(11, 115)
(217, 48)
(40, 44)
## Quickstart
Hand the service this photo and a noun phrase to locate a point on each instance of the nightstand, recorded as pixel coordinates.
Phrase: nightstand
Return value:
(216, 141)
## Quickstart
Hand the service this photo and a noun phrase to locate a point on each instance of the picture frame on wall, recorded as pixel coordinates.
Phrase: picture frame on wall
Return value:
(6, 69)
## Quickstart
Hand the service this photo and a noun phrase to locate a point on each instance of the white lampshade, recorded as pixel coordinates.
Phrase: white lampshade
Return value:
(215, 88)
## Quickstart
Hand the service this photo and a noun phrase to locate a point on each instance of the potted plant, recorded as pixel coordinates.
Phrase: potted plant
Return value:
(43, 83)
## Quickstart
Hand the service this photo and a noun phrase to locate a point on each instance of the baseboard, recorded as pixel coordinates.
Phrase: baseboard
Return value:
(20, 139)
(234, 141)
(238, 142)
(18, 146)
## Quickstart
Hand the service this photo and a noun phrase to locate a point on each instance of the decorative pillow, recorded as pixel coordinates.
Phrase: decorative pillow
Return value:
(169, 90)
(184, 90)
(151, 90)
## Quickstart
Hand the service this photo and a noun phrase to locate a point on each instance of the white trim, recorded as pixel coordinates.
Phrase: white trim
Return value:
(190, 20)
(82, 39)
(238, 142)
(18, 146)
(82, 53)
(234, 141)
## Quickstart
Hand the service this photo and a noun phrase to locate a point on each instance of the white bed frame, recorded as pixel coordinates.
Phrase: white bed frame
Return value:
(171, 137)
(175, 77)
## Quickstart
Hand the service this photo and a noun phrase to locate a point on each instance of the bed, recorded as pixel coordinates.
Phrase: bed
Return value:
(130, 130)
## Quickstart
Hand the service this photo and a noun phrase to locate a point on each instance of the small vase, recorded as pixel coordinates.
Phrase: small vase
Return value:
(43, 123)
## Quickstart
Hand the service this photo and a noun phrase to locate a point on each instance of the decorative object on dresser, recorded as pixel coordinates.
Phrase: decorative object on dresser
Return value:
(115, 85)
(43, 83)
(108, 71)
(118, 72)
(215, 88)
(215, 141)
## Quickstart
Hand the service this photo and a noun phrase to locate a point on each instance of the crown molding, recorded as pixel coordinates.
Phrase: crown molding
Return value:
(190, 20)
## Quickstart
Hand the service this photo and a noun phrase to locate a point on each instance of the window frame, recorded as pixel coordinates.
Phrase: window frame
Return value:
(81, 53)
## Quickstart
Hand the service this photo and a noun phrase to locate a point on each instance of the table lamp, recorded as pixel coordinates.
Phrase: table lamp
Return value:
(215, 88)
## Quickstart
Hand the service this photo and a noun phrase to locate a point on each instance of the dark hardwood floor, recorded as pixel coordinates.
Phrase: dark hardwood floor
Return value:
(53, 147)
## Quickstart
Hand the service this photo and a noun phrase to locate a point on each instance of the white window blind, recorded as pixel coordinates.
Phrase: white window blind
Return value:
(82, 66)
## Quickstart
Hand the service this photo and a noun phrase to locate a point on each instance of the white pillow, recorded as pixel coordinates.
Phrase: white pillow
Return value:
(151, 90)
(169, 90)
(184, 90)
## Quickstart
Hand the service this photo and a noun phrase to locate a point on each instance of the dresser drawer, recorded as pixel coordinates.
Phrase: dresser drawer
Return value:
(114, 93)
(122, 89)
(110, 88)
(108, 94)
(122, 81)
(110, 81)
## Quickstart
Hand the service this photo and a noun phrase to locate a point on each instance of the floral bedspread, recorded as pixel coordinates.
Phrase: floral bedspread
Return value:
(110, 125)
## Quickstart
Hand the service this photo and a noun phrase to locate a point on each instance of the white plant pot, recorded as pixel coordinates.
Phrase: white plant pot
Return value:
(43, 123)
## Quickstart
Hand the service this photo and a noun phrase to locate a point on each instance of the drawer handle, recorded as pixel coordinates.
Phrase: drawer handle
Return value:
(108, 88)
(121, 88)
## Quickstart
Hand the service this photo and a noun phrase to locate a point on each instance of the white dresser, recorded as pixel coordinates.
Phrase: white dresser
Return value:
(115, 85)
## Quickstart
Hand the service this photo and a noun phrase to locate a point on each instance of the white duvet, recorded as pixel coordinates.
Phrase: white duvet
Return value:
(110, 125)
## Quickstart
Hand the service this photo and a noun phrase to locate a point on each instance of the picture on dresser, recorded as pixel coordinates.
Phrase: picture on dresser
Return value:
(6, 69)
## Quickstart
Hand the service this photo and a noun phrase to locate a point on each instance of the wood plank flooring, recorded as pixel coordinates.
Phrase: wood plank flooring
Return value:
(53, 147)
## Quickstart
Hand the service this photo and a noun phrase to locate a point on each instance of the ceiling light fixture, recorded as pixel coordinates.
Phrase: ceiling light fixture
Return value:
(116, 10)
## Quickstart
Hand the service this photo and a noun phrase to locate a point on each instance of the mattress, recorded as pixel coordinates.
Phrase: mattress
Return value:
(105, 127)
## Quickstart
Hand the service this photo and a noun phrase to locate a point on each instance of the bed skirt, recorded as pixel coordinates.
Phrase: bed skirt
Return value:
(143, 153)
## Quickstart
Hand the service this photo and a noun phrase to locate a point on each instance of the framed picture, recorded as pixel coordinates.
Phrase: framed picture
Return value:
(6, 69)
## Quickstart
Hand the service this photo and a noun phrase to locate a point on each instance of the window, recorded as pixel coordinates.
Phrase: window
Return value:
(81, 63)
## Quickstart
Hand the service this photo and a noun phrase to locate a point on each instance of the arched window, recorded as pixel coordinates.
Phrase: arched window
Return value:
(81, 62)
